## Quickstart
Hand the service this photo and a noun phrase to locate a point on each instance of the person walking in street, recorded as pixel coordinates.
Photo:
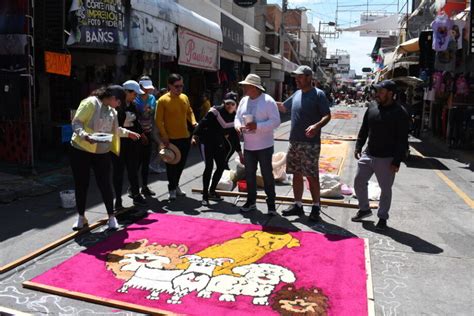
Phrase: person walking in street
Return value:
(385, 124)
(172, 116)
(257, 117)
(96, 114)
(130, 149)
(218, 141)
(310, 112)
(146, 104)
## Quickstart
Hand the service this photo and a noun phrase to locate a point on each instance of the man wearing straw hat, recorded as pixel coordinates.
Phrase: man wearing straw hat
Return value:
(257, 116)
(309, 113)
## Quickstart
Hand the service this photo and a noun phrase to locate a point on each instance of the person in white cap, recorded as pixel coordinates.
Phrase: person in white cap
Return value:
(146, 104)
(172, 116)
(129, 153)
(310, 111)
(257, 117)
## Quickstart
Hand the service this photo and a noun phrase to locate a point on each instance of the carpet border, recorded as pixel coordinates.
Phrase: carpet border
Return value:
(370, 288)
(94, 299)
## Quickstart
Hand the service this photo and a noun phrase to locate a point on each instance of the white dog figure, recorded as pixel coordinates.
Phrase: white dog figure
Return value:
(195, 277)
(257, 280)
(149, 274)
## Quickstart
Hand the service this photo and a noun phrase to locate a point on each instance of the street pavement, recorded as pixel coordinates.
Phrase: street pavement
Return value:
(423, 265)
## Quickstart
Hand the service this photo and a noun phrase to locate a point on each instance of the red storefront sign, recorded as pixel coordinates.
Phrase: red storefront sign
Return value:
(453, 7)
(197, 51)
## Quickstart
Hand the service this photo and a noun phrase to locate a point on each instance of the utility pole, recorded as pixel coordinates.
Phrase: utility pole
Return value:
(284, 8)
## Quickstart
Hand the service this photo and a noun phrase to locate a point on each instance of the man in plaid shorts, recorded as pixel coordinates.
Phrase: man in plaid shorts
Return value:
(309, 113)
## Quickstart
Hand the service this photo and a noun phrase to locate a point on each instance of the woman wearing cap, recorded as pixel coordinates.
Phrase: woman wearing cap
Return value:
(96, 114)
(129, 155)
(145, 104)
(218, 141)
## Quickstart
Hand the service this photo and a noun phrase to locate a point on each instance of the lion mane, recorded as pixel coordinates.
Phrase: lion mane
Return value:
(293, 301)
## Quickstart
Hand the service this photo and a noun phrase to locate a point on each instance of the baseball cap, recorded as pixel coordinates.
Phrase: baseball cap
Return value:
(133, 86)
(230, 97)
(303, 70)
(146, 84)
(386, 84)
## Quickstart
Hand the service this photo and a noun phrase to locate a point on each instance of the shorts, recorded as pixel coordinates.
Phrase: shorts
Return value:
(303, 158)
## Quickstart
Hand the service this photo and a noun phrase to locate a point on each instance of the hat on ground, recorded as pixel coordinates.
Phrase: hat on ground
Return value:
(132, 85)
(390, 85)
(146, 84)
(253, 80)
(303, 70)
(171, 154)
(231, 97)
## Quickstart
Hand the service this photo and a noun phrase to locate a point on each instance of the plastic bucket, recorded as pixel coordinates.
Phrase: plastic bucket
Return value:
(68, 198)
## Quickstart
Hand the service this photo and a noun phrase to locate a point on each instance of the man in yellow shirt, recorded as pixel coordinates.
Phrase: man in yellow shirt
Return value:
(172, 116)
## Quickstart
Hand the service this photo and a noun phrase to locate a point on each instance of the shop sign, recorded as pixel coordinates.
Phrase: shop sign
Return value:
(56, 63)
(453, 7)
(245, 3)
(197, 51)
(233, 35)
(98, 24)
(153, 35)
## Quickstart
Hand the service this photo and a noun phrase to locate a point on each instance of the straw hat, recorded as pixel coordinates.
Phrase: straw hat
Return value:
(253, 80)
(171, 154)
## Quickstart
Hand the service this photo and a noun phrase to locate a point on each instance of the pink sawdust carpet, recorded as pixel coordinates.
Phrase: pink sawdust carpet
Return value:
(195, 266)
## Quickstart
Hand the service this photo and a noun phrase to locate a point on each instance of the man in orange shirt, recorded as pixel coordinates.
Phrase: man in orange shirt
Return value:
(172, 116)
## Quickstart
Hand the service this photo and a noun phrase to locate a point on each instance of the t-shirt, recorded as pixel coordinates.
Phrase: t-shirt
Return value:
(146, 112)
(307, 108)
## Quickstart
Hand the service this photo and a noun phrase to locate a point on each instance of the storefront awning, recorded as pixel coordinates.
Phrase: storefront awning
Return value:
(172, 12)
(410, 46)
(408, 80)
(228, 55)
(274, 59)
(289, 66)
(251, 54)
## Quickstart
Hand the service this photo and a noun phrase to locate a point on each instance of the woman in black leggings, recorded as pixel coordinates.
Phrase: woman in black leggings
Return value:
(96, 114)
(218, 140)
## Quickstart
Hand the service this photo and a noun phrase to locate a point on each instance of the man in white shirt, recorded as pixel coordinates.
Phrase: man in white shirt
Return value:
(257, 116)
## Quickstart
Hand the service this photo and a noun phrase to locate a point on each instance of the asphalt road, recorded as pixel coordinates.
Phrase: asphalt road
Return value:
(423, 265)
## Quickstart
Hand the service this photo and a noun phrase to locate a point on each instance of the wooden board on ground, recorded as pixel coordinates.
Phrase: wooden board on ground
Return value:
(289, 199)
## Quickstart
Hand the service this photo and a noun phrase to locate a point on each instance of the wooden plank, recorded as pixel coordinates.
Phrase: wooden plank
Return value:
(370, 288)
(289, 199)
(94, 299)
(54, 244)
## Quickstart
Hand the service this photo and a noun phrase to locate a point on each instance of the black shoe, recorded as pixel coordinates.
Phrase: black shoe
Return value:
(381, 225)
(139, 200)
(248, 207)
(293, 210)
(147, 192)
(213, 196)
(314, 215)
(361, 215)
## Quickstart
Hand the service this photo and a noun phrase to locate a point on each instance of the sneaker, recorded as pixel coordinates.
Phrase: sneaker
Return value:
(205, 202)
(272, 212)
(248, 207)
(172, 195)
(80, 223)
(147, 192)
(314, 215)
(118, 204)
(361, 215)
(381, 225)
(179, 192)
(213, 196)
(112, 223)
(139, 200)
(293, 210)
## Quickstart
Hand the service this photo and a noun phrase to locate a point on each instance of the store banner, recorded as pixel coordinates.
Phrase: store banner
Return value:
(150, 34)
(57, 63)
(98, 24)
(197, 51)
(233, 35)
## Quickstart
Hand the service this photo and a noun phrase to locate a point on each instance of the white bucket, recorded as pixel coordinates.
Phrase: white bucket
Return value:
(68, 199)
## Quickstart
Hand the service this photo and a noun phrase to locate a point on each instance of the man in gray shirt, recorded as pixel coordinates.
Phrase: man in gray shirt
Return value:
(309, 113)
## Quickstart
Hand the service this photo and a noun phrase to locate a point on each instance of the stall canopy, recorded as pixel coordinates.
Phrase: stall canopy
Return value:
(389, 23)
(172, 12)
(410, 46)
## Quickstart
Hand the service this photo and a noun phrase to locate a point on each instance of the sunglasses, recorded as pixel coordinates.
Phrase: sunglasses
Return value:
(231, 103)
(177, 86)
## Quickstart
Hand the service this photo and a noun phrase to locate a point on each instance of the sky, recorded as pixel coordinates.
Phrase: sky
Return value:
(325, 11)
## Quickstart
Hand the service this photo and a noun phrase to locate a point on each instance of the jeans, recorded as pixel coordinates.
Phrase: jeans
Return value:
(366, 167)
(174, 171)
(264, 158)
